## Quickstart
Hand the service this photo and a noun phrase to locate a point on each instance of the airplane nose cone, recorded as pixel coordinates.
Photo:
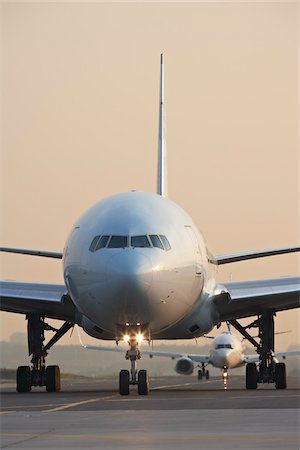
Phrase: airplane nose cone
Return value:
(130, 272)
(223, 357)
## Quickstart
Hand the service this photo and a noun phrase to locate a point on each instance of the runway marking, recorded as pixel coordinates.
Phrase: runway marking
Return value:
(32, 406)
(170, 385)
(162, 437)
(7, 412)
(73, 405)
(267, 396)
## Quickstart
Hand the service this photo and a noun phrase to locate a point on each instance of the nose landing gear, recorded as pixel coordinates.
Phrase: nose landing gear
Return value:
(134, 377)
(225, 377)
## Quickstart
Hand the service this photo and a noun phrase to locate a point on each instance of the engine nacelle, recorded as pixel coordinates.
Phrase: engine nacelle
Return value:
(184, 366)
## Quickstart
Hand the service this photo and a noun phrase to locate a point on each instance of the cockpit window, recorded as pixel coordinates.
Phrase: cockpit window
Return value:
(118, 242)
(93, 244)
(165, 242)
(224, 346)
(98, 242)
(140, 241)
(101, 243)
(156, 242)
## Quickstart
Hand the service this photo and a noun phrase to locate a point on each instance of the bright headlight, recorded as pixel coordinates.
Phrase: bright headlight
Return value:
(139, 338)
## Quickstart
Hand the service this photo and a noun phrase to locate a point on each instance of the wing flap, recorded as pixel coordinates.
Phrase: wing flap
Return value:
(250, 298)
(49, 300)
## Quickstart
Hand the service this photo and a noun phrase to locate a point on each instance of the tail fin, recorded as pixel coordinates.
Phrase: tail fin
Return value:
(162, 151)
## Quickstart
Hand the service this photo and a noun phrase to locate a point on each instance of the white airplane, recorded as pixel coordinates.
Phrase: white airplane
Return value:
(136, 267)
(226, 352)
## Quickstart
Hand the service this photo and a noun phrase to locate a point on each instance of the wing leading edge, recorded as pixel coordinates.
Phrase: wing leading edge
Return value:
(243, 256)
(28, 251)
(49, 300)
(250, 298)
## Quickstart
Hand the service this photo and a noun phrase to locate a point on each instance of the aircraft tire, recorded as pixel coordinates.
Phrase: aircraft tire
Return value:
(23, 379)
(52, 379)
(124, 382)
(143, 382)
(251, 376)
(280, 376)
(207, 374)
(199, 374)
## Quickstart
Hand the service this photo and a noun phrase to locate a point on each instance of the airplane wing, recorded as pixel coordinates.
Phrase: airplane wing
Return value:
(236, 300)
(285, 354)
(243, 256)
(173, 355)
(255, 358)
(150, 353)
(49, 300)
(28, 251)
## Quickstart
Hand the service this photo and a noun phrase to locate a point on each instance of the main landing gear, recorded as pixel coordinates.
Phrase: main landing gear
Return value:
(133, 377)
(269, 370)
(39, 374)
(203, 373)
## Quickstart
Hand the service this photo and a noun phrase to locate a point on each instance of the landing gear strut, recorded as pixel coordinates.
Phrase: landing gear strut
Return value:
(39, 374)
(134, 377)
(225, 377)
(268, 370)
(203, 373)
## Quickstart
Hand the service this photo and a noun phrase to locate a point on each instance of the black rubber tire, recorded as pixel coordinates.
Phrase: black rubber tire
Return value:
(124, 382)
(251, 376)
(207, 374)
(199, 374)
(280, 376)
(52, 379)
(143, 382)
(23, 379)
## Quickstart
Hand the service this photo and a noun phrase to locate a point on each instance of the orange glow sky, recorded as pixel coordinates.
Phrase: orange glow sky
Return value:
(79, 122)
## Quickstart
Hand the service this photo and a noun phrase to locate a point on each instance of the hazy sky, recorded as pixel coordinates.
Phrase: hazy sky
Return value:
(80, 85)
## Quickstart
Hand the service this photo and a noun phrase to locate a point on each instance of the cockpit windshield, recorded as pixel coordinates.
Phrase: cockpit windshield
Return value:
(101, 243)
(142, 241)
(118, 242)
(156, 242)
(165, 242)
(224, 346)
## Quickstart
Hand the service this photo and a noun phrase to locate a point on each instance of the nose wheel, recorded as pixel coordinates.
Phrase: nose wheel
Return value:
(134, 377)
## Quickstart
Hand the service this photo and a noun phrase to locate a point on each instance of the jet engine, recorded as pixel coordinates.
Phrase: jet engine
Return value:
(184, 366)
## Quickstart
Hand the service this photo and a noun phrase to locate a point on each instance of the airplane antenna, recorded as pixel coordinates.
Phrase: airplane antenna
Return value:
(162, 157)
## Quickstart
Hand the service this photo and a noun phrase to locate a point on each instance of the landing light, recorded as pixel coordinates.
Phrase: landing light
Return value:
(126, 337)
(139, 338)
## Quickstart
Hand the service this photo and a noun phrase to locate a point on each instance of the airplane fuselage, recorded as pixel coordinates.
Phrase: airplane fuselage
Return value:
(137, 258)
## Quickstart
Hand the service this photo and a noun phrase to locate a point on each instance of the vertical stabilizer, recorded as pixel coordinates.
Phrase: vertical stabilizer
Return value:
(162, 156)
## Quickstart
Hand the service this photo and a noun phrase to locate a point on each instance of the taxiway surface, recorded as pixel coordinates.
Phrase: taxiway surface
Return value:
(179, 413)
